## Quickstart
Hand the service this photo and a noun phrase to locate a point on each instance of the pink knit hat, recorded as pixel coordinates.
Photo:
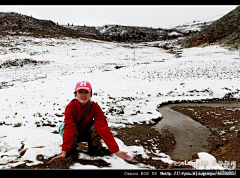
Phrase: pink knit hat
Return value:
(85, 85)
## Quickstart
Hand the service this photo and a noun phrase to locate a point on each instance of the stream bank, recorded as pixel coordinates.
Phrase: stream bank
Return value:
(222, 118)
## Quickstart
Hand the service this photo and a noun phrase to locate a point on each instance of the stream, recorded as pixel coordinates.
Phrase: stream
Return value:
(190, 135)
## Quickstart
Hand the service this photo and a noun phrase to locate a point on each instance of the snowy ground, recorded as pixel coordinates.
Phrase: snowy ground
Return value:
(130, 78)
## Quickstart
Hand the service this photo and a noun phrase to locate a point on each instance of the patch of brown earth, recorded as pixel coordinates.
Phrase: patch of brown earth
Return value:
(151, 140)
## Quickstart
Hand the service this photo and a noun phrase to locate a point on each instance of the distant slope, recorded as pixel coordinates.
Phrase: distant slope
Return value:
(17, 24)
(224, 31)
(120, 33)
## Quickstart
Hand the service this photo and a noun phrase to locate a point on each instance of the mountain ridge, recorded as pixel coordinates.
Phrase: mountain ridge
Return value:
(12, 23)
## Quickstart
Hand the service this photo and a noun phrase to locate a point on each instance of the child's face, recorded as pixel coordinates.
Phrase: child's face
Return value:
(83, 96)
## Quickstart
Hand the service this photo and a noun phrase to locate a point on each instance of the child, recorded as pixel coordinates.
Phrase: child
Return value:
(92, 128)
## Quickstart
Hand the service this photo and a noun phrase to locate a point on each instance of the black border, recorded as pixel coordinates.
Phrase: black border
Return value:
(117, 172)
(123, 173)
(120, 2)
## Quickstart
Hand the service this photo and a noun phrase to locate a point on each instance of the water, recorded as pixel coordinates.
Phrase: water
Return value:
(190, 136)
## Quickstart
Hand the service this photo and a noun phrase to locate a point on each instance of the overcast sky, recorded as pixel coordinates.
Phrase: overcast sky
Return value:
(131, 15)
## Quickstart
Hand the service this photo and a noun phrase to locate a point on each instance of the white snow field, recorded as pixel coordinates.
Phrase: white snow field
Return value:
(133, 78)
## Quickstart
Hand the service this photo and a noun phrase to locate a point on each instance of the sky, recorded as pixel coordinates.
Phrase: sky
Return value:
(129, 15)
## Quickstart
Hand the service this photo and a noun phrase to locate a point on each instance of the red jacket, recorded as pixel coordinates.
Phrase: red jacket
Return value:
(73, 113)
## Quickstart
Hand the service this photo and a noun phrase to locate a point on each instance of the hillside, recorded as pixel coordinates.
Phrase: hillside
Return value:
(224, 31)
(130, 84)
(18, 24)
(120, 33)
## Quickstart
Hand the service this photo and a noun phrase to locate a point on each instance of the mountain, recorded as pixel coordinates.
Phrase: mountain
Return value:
(17, 24)
(120, 33)
(224, 31)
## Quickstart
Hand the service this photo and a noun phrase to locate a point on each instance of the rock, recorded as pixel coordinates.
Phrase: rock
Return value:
(40, 157)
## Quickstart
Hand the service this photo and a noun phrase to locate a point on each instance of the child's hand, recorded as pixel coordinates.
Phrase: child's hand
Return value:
(123, 155)
(59, 157)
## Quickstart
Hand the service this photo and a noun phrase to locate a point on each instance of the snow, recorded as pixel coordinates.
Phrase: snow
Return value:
(206, 161)
(34, 139)
(32, 96)
(116, 162)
